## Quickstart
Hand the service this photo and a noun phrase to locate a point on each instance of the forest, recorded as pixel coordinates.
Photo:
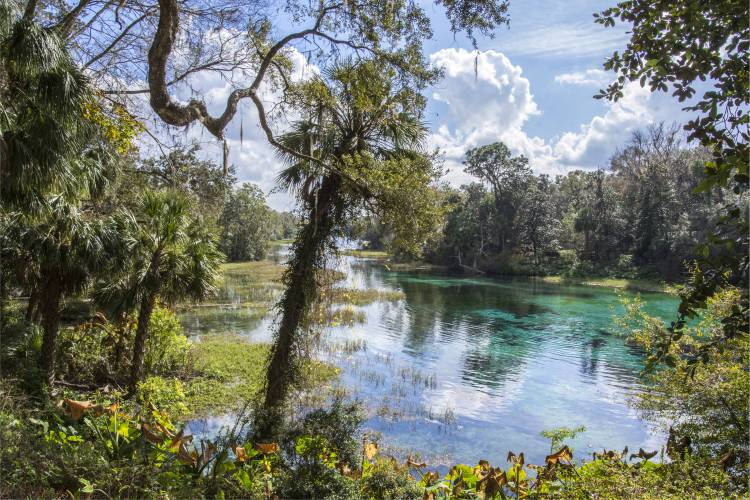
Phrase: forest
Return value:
(166, 333)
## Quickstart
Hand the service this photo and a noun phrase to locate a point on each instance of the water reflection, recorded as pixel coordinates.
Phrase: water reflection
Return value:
(463, 369)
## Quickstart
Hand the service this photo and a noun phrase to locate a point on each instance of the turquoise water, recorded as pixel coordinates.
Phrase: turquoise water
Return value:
(469, 368)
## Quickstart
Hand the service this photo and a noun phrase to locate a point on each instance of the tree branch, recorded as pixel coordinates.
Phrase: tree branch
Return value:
(181, 115)
(28, 13)
(65, 25)
(117, 39)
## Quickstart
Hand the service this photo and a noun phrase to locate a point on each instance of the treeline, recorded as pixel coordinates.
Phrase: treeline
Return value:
(238, 215)
(641, 216)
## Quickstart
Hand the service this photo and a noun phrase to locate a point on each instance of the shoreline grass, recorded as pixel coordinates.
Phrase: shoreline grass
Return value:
(633, 285)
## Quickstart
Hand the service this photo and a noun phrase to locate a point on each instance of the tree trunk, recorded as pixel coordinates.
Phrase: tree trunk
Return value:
(49, 307)
(33, 299)
(141, 335)
(299, 294)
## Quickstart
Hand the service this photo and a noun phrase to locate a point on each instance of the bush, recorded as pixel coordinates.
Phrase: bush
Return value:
(98, 352)
(167, 348)
(388, 480)
(164, 394)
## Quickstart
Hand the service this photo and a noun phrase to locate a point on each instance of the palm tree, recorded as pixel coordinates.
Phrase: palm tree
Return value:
(361, 122)
(168, 256)
(56, 253)
(45, 103)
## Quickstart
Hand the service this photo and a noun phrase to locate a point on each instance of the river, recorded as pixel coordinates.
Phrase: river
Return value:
(466, 368)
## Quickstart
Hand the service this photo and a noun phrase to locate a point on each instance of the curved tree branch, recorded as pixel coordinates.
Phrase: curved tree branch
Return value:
(177, 114)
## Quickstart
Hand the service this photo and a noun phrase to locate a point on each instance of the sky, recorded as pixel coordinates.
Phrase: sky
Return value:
(532, 89)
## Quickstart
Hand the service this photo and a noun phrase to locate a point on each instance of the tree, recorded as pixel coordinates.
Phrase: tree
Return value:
(364, 128)
(57, 252)
(170, 258)
(468, 225)
(673, 46)
(508, 177)
(537, 224)
(204, 182)
(48, 118)
(245, 224)
(597, 218)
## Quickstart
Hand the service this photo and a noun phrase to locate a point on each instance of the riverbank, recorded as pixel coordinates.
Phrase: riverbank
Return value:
(631, 285)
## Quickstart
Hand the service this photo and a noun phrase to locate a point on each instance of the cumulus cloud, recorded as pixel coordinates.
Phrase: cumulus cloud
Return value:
(588, 78)
(485, 98)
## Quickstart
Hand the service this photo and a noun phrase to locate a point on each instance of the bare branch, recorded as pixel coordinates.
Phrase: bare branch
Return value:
(117, 39)
(66, 24)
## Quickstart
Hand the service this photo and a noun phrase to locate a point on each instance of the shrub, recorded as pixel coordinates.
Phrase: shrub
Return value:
(167, 348)
(164, 393)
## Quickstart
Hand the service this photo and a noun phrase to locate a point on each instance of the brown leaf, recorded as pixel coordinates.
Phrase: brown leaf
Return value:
(267, 448)
(643, 454)
(207, 451)
(76, 409)
(240, 453)
(179, 439)
(150, 435)
(564, 454)
(187, 457)
(371, 449)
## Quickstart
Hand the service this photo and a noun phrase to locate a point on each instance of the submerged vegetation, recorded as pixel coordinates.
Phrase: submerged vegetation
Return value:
(102, 247)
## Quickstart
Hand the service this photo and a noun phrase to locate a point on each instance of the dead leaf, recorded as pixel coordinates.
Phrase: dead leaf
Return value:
(564, 454)
(187, 457)
(643, 454)
(240, 453)
(76, 409)
(267, 448)
(371, 449)
(150, 435)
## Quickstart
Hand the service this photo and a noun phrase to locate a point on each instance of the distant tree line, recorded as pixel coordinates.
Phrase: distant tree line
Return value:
(641, 216)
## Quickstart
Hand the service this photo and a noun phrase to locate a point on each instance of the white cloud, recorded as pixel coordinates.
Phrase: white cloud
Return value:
(483, 98)
(493, 103)
(568, 40)
(588, 78)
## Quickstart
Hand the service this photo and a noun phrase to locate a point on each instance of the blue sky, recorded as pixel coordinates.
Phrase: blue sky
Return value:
(532, 90)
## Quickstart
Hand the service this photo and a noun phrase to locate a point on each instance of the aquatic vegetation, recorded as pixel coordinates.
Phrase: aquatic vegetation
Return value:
(324, 314)
(229, 372)
(360, 297)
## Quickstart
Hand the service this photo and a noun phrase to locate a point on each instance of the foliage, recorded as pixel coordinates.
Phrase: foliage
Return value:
(163, 393)
(54, 255)
(641, 219)
(508, 177)
(245, 224)
(677, 46)
(558, 435)
(168, 255)
(46, 144)
(203, 182)
(361, 147)
(167, 347)
(705, 405)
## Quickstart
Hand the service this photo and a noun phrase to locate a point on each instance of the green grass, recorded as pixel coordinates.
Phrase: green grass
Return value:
(230, 371)
(256, 271)
(635, 285)
(367, 254)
